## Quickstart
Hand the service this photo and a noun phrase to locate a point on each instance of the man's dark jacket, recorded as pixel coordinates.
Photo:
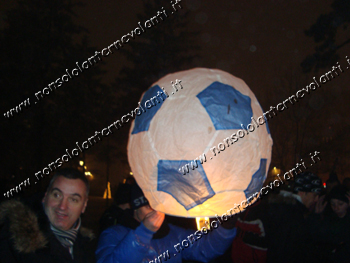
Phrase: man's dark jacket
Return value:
(25, 236)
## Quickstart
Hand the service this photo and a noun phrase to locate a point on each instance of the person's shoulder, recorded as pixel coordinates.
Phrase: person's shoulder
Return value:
(117, 229)
(114, 234)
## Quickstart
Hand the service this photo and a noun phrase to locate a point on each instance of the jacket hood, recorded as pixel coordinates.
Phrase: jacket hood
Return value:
(23, 226)
(25, 232)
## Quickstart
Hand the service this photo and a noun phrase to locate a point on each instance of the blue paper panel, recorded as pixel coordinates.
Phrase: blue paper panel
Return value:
(226, 106)
(267, 125)
(189, 190)
(257, 181)
(153, 102)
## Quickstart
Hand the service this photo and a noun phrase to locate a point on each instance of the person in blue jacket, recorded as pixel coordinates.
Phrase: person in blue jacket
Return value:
(146, 237)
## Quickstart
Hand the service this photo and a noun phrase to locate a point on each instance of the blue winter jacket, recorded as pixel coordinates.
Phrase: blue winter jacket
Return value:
(121, 244)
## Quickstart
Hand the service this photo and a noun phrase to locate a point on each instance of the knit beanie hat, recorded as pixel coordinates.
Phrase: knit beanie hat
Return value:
(138, 199)
(307, 182)
(339, 192)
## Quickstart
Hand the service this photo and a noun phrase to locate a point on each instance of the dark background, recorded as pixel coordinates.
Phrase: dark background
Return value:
(276, 47)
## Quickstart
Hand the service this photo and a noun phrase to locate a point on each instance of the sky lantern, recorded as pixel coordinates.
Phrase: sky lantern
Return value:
(199, 143)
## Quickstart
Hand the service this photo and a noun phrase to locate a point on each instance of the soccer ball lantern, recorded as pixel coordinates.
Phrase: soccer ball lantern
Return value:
(199, 143)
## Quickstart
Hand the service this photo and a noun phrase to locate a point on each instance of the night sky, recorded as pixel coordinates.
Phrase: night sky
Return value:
(261, 42)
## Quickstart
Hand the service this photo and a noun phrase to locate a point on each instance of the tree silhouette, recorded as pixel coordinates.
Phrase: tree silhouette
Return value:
(39, 42)
(291, 127)
(326, 33)
(165, 48)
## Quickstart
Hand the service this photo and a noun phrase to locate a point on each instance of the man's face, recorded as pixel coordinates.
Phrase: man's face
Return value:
(65, 202)
(309, 198)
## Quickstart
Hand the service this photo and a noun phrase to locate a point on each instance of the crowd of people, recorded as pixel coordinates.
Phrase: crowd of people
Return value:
(299, 222)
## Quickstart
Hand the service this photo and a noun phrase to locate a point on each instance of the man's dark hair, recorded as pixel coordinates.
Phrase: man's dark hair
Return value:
(70, 173)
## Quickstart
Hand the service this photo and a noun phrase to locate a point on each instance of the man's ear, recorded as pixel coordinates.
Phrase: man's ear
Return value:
(84, 207)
